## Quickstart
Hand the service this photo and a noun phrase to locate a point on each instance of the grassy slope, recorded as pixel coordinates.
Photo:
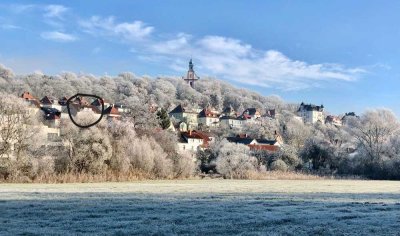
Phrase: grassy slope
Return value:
(296, 207)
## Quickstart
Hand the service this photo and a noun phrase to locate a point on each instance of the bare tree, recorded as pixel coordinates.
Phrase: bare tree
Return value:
(373, 130)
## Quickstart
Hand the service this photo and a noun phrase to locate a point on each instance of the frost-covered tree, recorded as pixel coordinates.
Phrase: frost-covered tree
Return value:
(87, 149)
(21, 136)
(235, 161)
(373, 130)
(295, 133)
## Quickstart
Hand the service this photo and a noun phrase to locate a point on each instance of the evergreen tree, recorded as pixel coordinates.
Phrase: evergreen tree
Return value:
(163, 118)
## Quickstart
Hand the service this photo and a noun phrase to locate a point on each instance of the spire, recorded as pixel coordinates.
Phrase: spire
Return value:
(190, 65)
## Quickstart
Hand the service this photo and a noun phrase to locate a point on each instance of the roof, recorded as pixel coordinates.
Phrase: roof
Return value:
(208, 113)
(111, 110)
(350, 114)
(47, 100)
(251, 111)
(264, 147)
(97, 102)
(27, 96)
(180, 109)
(310, 107)
(266, 141)
(192, 135)
(206, 137)
(81, 101)
(245, 141)
(51, 113)
(63, 101)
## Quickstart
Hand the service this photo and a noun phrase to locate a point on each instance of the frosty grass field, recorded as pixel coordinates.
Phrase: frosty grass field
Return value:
(203, 207)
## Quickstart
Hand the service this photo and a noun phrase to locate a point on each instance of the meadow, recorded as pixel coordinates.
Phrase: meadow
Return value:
(202, 207)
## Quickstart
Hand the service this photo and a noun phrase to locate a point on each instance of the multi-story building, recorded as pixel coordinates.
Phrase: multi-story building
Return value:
(311, 113)
(209, 118)
(192, 141)
(189, 116)
(50, 102)
(232, 121)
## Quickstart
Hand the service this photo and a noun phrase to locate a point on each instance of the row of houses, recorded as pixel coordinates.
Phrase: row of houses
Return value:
(311, 114)
(186, 119)
(189, 119)
(55, 110)
(194, 140)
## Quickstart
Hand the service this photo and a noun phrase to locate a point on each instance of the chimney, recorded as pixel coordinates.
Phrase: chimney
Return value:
(190, 132)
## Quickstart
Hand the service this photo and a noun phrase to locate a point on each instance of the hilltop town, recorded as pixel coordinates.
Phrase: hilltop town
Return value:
(167, 127)
(194, 126)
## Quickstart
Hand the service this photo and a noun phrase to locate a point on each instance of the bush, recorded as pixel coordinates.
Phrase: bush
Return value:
(234, 161)
(279, 165)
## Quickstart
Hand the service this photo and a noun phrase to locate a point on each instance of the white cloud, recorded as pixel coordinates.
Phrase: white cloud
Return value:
(58, 36)
(55, 11)
(129, 31)
(234, 60)
(9, 27)
(226, 58)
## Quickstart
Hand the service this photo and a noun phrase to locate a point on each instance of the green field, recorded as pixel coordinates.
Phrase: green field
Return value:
(203, 207)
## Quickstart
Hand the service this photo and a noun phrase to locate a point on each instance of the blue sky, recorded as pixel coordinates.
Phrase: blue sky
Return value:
(343, 54)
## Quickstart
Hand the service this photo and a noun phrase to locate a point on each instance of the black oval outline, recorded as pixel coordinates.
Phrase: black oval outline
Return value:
(86, 95)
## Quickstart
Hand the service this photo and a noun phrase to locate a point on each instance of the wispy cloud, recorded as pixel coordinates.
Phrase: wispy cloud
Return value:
(9, 27)
(129, 31)
(58, 36)
(55, 11)
(232, 59)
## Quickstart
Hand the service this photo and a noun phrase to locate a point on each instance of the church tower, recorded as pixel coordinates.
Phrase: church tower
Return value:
(191, 76)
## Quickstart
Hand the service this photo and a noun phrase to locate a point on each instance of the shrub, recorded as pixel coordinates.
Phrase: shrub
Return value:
(279, 165)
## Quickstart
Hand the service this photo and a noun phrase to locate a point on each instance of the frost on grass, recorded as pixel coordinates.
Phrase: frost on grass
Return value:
(324, 207)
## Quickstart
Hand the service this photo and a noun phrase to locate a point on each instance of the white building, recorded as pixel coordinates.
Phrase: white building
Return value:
(192, 141)
(50, 102)
(311, 113)
(232, 122)
(189, 116)
(209, 118)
